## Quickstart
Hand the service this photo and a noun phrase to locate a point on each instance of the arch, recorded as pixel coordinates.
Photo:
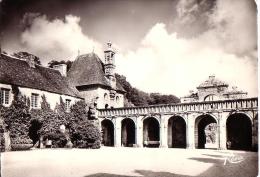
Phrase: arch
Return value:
(105, 96)
(206, 135)
(128, 132)
(177, 132)
(210, 97)
(151, 132)
(239, 132)
(117, 99)
(107, 127)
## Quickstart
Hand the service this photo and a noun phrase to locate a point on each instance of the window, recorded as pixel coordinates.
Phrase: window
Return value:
(4, 96)
(67, 105)
(34, 100)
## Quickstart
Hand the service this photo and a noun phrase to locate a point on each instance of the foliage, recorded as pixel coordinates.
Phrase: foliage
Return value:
(79, 111)
(54, 62)
(59, 140)
(83, 131)
(26, 55)
(140, 98)
(17, 118)
(44, 104)
(2, 140)
(79, 129)
(60, 108)
(21, 147)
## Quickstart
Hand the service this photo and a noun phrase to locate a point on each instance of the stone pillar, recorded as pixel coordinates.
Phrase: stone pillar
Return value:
(139, 132)
(163, 132)
(222, 130)
(190, 131)
(117, 132)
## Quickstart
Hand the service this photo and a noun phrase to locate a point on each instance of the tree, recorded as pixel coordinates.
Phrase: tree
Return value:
(26, 55)
(140, 98)
(83, 131)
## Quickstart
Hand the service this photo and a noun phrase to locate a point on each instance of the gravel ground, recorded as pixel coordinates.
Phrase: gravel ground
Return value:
(110, 162)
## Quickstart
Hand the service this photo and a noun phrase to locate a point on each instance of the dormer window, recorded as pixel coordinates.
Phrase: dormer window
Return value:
(5, 96)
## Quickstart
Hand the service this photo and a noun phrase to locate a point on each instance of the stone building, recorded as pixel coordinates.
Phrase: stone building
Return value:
(213, 117)
(213, 89)
(33, 81)
(96, 80)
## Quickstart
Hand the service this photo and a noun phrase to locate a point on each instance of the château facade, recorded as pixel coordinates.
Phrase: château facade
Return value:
(89, 79)
(95, 80)
(33, 81)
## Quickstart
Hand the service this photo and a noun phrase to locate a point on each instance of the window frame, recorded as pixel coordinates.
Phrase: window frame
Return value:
(5, 96)
(34, 101)
(67, 105)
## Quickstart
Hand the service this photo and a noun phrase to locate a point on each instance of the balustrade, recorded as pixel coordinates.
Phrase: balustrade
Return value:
(248, 103)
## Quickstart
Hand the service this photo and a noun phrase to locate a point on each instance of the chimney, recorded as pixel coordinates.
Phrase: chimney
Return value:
(31, 61)
(62, 68)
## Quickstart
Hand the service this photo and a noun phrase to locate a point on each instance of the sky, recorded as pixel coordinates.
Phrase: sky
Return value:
(168, 46)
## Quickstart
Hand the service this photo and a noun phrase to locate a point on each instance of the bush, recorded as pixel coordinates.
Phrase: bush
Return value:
(84, 134)
(59, 140)
(21, 147)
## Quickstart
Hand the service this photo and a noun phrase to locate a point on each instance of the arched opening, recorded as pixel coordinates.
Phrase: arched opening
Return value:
(206, 132)
(107, 133)
(106, 100)
(128, 133)
(176, 132)
(151, 132)
(210, 97)
(239, 132)
(117, 99)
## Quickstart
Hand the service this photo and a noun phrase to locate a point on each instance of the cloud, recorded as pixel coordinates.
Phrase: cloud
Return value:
(57, 39)
(221, 40)
(168, 63)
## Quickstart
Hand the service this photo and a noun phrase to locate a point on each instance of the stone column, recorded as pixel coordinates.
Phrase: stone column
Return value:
(222, 130)
(139, 132)
(163, 132)
(190, 131)
(117, 132)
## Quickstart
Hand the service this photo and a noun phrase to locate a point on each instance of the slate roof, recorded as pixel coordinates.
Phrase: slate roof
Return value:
(212, 82)
(18, 72)
(88, 70)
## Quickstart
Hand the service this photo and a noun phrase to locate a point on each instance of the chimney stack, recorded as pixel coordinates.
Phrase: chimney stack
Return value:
(62, 68)
(30, 61)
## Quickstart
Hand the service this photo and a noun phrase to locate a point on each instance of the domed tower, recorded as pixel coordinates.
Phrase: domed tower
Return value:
(110, 65)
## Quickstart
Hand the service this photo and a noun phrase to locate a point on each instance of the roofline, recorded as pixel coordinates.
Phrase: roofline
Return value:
(99, 85)
(43, 90)
(226, 85)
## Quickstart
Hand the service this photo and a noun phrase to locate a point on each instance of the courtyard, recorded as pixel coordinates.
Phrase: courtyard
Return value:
(110, 162)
